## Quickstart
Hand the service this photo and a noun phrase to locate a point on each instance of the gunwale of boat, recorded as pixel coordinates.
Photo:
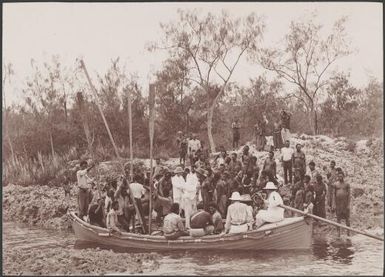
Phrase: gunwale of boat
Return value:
(259, 233)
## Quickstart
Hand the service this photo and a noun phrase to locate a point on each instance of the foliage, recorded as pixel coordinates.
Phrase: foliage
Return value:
(305, 59)
(212, 46)
(59, 119)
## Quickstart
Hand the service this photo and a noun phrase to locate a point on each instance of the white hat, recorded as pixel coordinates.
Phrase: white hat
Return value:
(235, 196)
(178, 170)
(270, 185)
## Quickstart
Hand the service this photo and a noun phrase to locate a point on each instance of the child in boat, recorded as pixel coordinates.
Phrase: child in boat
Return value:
(173, 226)
(112, 218)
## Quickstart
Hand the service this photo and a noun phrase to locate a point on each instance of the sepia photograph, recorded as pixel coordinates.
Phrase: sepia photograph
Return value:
(192, 138)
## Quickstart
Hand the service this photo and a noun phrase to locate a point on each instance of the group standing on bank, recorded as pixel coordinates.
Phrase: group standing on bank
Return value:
(227, 193)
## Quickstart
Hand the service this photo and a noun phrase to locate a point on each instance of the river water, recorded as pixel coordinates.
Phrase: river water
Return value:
(360, 256)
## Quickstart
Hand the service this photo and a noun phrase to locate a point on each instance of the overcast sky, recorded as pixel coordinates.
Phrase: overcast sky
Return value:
(101, 31)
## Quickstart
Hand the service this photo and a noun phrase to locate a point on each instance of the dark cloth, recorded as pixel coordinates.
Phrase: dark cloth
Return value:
(84, 199)
(200, 219)
(96, 218)
(287, 171)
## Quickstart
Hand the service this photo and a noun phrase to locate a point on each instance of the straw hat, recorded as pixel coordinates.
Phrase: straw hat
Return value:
(178, 170)
(235, 196)
(270, 185)
(246, 198)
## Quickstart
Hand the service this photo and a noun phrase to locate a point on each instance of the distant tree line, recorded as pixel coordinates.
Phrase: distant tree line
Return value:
(195, 92)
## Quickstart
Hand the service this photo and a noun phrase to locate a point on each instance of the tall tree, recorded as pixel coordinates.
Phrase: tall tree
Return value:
(213, 45)
(305, 59)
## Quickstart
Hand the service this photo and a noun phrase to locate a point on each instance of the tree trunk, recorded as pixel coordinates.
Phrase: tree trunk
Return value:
(210, 114)
(52, 148)
(315, 119)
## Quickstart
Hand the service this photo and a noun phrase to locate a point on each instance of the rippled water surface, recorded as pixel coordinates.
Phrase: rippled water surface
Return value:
(360, 256)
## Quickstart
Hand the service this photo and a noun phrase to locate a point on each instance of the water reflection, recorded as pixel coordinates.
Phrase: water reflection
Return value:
(339, 250)
(359, 256)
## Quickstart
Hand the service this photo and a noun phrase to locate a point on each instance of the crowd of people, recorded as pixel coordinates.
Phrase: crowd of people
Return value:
(222, 194)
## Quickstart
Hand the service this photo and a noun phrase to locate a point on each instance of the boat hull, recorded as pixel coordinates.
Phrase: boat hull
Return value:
(291, 233)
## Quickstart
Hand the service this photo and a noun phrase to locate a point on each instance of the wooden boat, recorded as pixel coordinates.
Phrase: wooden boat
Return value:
(291, 233)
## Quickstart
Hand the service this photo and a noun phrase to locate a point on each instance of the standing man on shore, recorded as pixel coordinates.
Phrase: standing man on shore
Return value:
(285, 124)
(84, 183)
(299, 160)
(287, 161)
(194, 145)
(235, 126)
(342, 198)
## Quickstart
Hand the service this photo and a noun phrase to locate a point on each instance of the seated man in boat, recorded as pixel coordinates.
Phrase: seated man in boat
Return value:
(112, 218)
(274, 213)
(216, 218)
(173, 226)
(238, 217)
(201, 220)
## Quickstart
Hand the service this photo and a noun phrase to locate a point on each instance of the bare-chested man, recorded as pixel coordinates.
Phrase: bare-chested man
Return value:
(342, 198)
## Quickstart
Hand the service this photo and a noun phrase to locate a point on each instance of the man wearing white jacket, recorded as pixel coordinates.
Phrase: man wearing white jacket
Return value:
(178, 183)
(189, 196)
(274, 213)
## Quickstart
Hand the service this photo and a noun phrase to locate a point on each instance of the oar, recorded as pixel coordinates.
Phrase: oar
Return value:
(331, 222)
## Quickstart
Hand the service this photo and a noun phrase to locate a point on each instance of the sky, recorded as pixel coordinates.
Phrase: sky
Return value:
(99, 32)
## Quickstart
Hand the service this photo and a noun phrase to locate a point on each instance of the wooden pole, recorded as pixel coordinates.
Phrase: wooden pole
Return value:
(331, 222)
(151, 102)
(83, 66)
(130, 135)
(132, 164)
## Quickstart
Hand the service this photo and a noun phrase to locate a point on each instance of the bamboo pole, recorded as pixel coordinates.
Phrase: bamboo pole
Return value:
(151, 102)
(83, 66)
(331, 222)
